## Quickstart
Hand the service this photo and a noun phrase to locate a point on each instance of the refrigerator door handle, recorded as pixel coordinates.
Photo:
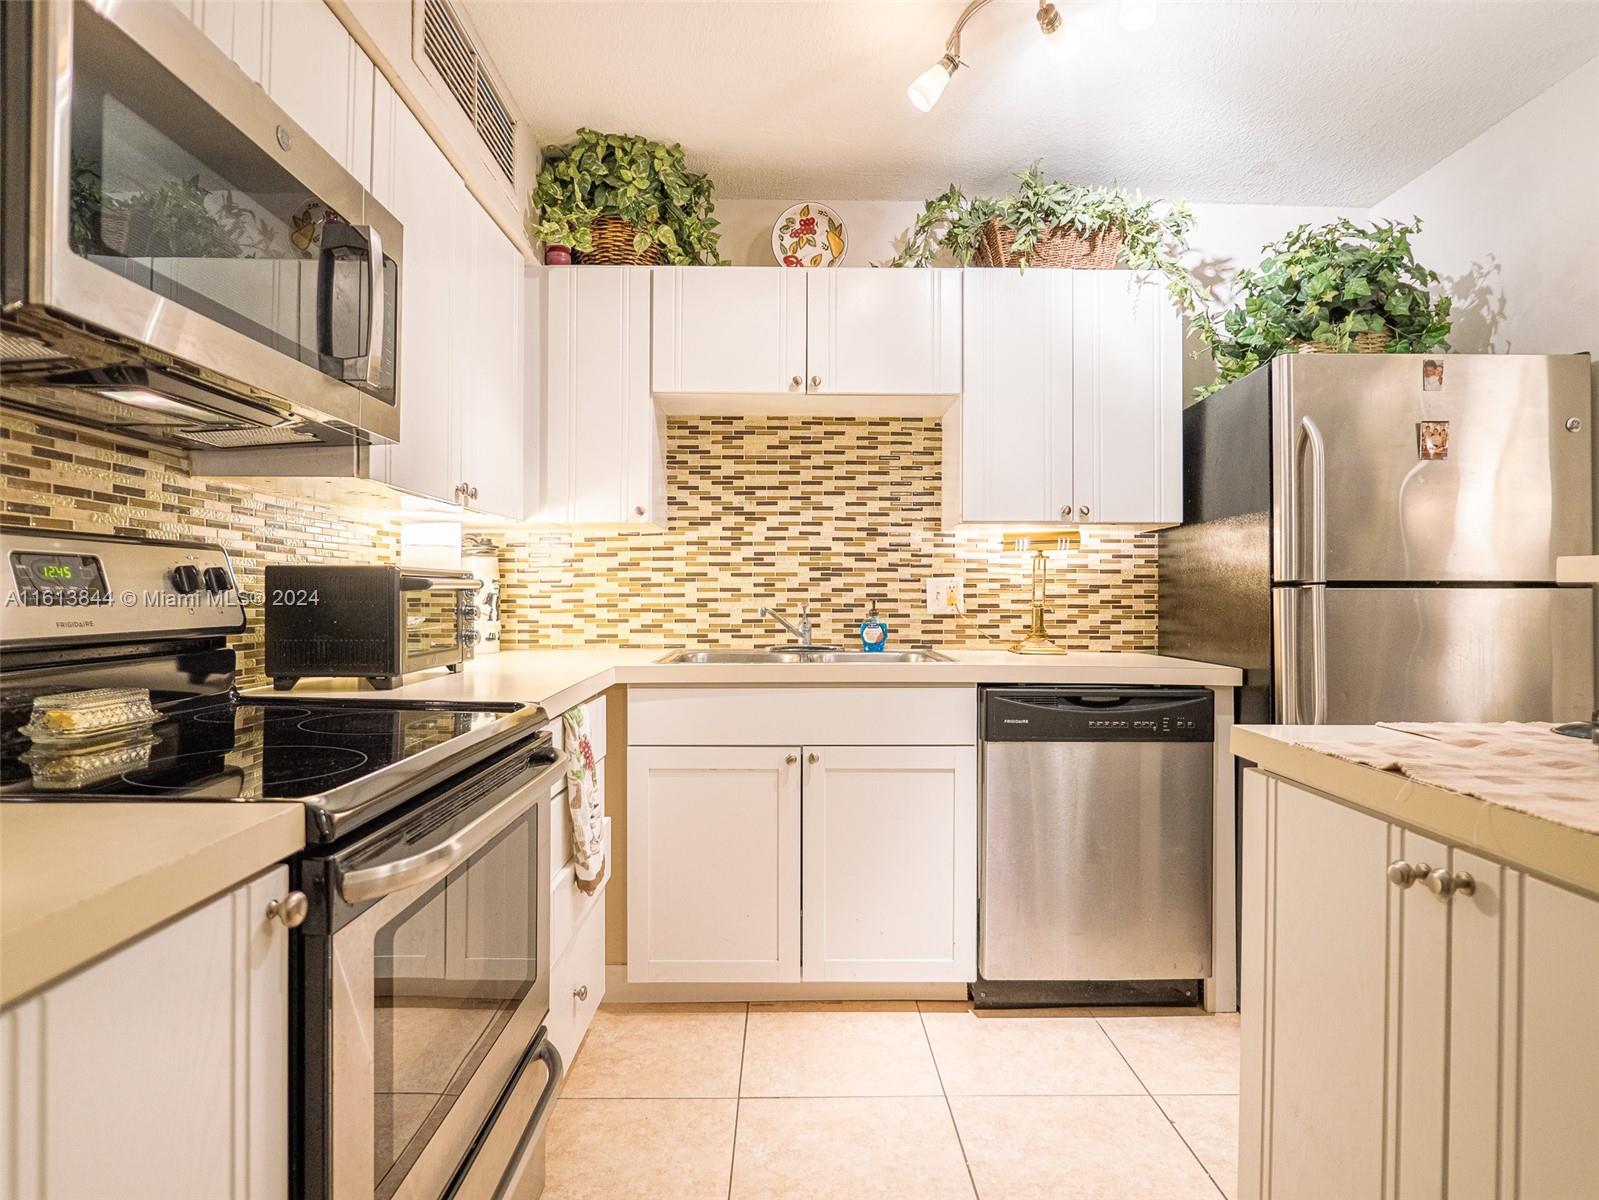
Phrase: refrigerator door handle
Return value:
(1318, 652)
(1318, 499)
(1300, 654)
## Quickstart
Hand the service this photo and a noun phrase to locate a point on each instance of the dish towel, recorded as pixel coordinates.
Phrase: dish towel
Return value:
(585, 801)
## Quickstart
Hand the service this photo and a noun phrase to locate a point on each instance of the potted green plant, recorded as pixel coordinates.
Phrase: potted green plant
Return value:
(1336, 287)
(1047, 223)
(620, 198)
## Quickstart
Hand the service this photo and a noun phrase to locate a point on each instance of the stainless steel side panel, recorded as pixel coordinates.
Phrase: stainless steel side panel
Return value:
(1096, 861)
(1351, 656)
(1515, 490)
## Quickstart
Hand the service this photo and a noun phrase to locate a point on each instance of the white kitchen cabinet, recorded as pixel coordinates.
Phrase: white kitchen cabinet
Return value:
(488, 373)
(577, 983)
(713, 851)
(883, 332)
(890, 863)
(159, 1071)
(1400, 1043)
(320, 77)
(1071, 403)
(728, 330)
(604, 443)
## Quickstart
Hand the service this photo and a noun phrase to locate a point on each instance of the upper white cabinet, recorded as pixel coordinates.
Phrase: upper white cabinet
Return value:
(728, 330)
(779, 332)
(1071, 403)
(161, 1070)
(883, 333)
(320, 77)
(488, 372)
(602, 445)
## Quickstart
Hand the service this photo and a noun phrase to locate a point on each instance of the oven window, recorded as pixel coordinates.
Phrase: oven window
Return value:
(449, 972)
(430, 624)
(167, 193)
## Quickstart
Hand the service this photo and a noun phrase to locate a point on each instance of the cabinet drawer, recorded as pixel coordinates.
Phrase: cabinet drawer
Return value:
(864, 715)
(569, 904)
(577, 984)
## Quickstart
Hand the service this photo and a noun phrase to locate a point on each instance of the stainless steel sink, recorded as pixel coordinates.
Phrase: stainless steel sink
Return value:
(812, 654)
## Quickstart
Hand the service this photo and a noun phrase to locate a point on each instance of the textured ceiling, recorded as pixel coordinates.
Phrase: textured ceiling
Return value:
(1293, 101)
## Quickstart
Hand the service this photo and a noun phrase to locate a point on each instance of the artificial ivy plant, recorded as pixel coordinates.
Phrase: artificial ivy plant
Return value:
(1154, 233)
(645, 183)
(1323, 286)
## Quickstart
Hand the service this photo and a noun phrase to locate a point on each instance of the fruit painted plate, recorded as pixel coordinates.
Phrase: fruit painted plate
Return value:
(809, 235)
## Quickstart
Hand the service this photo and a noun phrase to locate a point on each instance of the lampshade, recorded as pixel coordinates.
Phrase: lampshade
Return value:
(927, 87)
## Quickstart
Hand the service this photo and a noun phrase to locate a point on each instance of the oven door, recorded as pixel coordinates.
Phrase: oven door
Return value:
(172, 206)
(436, 611)
(422, 992)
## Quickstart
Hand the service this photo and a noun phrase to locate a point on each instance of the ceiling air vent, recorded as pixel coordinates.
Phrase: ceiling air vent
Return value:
(453, 54)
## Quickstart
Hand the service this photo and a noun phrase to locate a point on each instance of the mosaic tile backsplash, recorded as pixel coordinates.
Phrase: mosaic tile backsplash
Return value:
(837, 511)
(65, 477)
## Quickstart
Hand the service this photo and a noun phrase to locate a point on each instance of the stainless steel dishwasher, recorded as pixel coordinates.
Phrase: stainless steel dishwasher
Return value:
(1096, 845)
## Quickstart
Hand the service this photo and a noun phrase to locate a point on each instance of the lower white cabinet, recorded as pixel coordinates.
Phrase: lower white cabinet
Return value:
(160, 1071)
(1399, 1043)
(577, 983)
(889, 882)
(716, 840)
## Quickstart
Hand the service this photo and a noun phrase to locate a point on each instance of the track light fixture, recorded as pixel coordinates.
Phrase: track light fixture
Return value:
(927, 87)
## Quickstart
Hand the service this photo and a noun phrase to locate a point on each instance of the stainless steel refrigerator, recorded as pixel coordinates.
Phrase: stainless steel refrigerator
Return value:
(1373, 537)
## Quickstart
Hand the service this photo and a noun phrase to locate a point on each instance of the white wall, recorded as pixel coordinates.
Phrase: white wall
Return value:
(1510, 223)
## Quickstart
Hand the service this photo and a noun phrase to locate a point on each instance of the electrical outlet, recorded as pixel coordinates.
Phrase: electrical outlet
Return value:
(945, 596)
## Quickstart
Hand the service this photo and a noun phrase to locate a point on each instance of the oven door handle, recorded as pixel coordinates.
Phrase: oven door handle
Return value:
(442, 857)
(511, 1179)
(412, 582)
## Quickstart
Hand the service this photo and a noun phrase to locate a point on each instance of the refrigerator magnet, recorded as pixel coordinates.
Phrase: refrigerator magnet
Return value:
(1432, 440)
(1432, 374)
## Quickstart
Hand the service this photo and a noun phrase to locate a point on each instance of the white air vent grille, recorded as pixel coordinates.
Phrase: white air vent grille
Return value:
(449, 48)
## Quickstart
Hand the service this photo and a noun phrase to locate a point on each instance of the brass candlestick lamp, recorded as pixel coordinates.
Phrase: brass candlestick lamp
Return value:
(1037, 640)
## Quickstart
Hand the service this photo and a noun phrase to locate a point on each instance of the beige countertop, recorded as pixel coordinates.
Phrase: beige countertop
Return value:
(1563, 849)
(1581, 568)
(558, 679)
(78, 880)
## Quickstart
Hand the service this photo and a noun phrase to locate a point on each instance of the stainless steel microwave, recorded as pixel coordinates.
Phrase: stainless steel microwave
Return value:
(181, 260)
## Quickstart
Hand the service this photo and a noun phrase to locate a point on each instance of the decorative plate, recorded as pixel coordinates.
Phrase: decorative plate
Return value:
(809, 235)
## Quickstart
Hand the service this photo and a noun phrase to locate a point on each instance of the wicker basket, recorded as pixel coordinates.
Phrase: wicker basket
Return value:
(1062, 247)
(1366, 342)
(613, 246)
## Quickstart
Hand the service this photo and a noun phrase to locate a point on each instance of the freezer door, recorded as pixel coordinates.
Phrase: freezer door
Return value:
(1416, 468)
(1351, 656)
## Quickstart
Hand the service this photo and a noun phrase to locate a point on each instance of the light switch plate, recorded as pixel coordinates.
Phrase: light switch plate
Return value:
(945, 595)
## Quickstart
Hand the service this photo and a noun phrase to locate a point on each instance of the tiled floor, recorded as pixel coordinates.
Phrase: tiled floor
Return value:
(897, 1100)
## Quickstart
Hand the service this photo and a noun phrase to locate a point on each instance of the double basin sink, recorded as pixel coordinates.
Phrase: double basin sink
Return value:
(805, 654)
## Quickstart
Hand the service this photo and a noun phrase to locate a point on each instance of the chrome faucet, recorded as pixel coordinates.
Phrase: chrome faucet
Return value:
(802, 632)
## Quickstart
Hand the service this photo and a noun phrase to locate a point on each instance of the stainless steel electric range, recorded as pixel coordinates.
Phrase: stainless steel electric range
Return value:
(420, 958)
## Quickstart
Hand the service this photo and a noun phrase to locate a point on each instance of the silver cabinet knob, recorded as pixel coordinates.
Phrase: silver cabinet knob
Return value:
(812, 758)
(797, 382)
(1444, 883)
(581, 991)
(816, 381)
(291, 910)
(1083, 511)
(638, 510)
(1403, 874)
(791, 759)
(472, 492)
(1573, 424)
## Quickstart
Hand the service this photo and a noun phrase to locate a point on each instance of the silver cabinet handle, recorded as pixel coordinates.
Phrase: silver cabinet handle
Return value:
(291, 910)
(816, 381)
(791, 759)
(472, 492)
(1403, 874)
(797, 382)
(442, 857)
(1083, 511)
(581, 991)
(1444, 883)
(1065, 512)
(812, 758)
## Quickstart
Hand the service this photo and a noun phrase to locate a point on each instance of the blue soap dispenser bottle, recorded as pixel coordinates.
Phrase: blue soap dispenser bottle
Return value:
(874, 632)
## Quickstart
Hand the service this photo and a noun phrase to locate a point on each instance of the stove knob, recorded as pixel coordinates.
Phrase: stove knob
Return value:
(186, 578)
(217, 579)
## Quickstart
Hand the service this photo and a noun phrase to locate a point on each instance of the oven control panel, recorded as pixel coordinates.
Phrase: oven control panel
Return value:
(78, 587)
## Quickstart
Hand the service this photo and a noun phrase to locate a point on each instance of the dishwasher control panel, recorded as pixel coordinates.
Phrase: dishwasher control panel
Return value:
(1098, 714)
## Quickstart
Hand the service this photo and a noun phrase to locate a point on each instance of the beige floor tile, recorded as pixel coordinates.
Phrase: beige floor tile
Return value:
(1026, 1056)
(1209, 1124)
(856, 1148)
(838, 1051)
(1180, 1056)
(660, 1050)
(1076, 1148)
(640, 1149)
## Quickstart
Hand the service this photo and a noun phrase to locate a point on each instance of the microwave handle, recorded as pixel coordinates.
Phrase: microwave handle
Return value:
(375, 313)
(441, 857)
(421, 583)
(357, 368)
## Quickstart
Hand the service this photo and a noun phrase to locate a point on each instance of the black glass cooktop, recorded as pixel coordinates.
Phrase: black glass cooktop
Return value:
(248, 749)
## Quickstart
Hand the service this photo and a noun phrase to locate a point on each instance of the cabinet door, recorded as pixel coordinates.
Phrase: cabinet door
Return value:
(1557, 1029)
(239, 28)
(311, 72)
(604, 461)
(713, 859)
(1127, 369)
(491, 406)
(1418, 1026)
(883, 333)
(1013, 425)
(728, 330)
(413, 180)
(890, 863)
(160, 1071)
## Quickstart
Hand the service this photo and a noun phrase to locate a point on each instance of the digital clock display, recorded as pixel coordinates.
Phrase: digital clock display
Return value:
(59, 579)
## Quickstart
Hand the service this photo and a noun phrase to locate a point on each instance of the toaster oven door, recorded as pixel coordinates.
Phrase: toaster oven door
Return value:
(435, 616)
